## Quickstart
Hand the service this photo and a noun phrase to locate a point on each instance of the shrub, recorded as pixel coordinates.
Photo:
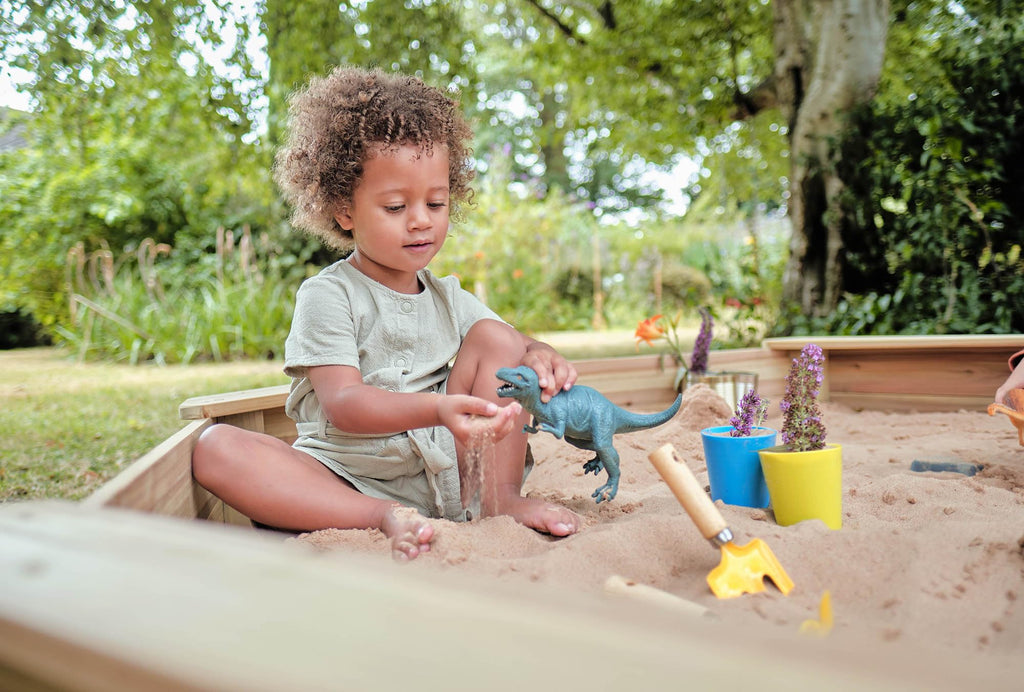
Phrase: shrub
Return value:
(149, 306)
(933, 196)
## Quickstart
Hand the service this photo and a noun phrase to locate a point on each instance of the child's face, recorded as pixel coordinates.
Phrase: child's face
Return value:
(399, 215)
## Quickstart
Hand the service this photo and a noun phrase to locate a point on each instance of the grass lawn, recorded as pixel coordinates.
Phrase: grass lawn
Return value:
(67, 427)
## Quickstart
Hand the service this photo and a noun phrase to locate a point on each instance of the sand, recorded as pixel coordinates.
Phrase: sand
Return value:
(924, 558)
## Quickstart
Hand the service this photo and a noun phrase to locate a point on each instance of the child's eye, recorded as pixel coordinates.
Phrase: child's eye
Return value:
(394, 209)
(437, 205)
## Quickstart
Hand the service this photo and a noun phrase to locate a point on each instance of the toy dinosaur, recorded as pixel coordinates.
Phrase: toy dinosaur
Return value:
(584, 417)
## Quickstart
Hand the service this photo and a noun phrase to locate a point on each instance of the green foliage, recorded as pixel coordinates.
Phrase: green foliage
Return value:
(150, 306)
(743, 261)
(934, 194)
(138, 134)
(684, 285)
(533, 259)
(513, 247)
(133, 136)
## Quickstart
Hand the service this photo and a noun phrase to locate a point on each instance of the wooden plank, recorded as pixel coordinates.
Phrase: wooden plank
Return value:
(646, 363)
(907, 372)
(945, 373)
(278, 424)
(1007, 343)
(228, 403)
(106, 599)
(646, 381)
(247, 420)
(208, 506)
(160, 481)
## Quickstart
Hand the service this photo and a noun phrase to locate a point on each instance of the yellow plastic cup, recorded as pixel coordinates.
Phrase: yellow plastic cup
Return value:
(805, 485)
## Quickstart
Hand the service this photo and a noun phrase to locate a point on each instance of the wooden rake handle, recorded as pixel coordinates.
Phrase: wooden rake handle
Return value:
(691, 495)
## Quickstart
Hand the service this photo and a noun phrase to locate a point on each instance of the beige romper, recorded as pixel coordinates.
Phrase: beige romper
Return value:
(399, 342)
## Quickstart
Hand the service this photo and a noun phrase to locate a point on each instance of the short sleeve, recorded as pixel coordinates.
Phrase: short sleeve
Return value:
(323, 327)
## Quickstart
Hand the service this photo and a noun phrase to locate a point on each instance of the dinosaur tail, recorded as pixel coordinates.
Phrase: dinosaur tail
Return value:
(642, 421)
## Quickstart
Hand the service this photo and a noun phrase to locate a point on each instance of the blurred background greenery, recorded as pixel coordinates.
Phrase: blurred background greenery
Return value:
(633, 158)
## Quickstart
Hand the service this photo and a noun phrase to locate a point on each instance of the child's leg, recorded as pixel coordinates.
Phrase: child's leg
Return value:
(491, 345)
(273, 483)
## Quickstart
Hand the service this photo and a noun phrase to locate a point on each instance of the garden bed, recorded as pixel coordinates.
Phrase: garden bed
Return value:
(925, 576)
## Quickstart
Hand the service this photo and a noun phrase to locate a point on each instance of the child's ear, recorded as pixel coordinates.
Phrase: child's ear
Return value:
(344, 218)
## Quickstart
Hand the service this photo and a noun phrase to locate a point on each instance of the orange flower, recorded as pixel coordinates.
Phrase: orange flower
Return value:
(517, 274)
(648, 330)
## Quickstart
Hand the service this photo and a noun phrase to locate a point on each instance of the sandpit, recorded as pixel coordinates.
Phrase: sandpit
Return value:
(924, 559)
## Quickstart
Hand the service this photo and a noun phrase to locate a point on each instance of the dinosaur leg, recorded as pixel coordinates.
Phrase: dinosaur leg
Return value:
(608, 457)
(593, 466)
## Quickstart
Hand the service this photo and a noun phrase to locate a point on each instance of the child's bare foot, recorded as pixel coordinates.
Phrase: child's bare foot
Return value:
(541, 516)
(409, 531)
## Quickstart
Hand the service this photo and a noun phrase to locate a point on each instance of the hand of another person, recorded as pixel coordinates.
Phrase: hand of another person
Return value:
(1014, 381)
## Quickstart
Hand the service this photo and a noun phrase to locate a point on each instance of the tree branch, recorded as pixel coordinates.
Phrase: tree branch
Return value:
(566, 30)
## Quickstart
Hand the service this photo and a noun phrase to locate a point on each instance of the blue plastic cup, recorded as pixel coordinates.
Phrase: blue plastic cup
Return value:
(734, 467)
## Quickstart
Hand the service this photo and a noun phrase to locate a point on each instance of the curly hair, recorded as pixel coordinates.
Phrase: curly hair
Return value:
(339, 120)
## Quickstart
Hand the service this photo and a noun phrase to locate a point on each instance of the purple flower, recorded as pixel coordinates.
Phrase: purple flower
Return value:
(802, 429)
(749, 413)
(699, 357)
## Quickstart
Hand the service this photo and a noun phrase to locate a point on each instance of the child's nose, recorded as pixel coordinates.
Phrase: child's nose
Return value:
(418, 217)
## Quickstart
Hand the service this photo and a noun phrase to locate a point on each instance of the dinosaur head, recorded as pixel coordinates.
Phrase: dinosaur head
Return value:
(519, 383)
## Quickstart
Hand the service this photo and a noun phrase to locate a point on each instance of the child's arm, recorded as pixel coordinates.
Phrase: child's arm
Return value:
(554, 372)
(363, 409)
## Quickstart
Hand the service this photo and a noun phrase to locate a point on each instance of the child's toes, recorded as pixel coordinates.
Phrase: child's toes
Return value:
(562, 522)
(412, 540)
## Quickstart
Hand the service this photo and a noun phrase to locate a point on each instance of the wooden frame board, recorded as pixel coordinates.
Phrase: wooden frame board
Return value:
(108, 599)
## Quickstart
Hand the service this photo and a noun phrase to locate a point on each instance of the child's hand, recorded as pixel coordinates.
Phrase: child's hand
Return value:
(554, 372)
(467, 416)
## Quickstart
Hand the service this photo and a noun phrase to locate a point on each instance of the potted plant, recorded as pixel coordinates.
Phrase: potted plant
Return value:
(731, 452)
(731, 386)
(804, 473)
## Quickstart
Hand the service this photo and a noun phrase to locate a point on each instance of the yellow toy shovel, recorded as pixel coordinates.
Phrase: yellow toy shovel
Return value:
(743, 568)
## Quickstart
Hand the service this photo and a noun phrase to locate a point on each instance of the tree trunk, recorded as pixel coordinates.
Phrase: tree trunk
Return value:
(828, 59)
(552, 145)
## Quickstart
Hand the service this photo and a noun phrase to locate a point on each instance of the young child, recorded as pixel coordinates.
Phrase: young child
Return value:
(385, 416)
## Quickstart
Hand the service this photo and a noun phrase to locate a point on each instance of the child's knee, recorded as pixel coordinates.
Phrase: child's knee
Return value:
(491, 338)
(210, 453)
